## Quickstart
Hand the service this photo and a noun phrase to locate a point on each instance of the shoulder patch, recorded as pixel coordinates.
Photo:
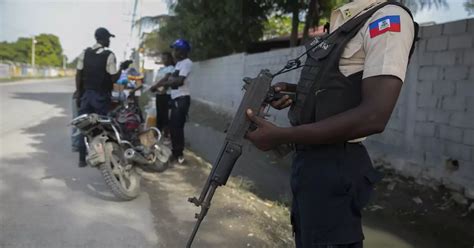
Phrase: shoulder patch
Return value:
(385, 24)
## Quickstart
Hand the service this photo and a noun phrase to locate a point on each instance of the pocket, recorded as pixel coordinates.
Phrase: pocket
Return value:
(365, 188)
(322, 51)
(373, 176)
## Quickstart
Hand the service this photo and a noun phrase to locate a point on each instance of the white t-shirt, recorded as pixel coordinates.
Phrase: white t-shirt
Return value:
(184, 67)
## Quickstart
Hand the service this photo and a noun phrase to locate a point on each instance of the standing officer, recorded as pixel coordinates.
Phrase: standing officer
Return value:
(95, 75)
(347, 91)
(180, 97)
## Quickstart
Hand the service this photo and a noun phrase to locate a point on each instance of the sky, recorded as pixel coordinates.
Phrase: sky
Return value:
(75, 21)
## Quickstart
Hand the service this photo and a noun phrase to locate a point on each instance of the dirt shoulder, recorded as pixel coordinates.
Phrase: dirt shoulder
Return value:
(421, 215)
(237, 218)
(403, 214)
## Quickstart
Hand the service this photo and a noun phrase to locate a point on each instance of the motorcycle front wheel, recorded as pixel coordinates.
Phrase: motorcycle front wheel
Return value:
(122, 179)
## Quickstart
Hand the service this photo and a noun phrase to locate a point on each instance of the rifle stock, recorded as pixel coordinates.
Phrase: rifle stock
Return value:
(257, 90)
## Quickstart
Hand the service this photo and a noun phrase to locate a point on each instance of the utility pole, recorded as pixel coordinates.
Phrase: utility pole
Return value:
(135, 56)
(33, 42)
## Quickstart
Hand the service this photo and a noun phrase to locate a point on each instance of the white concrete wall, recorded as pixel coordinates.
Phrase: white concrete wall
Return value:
(432, 124)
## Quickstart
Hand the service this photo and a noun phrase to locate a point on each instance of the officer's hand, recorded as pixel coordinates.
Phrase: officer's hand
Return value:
(125, 64)
(283, 102)
(265, 137)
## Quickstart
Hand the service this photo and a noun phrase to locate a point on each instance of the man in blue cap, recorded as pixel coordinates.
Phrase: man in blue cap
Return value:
(180, 96)
(95, 75)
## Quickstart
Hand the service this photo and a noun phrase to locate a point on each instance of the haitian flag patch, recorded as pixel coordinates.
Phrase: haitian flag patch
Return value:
(385, 24)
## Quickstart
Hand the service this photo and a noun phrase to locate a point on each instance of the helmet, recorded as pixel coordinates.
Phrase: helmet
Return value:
(181, 44)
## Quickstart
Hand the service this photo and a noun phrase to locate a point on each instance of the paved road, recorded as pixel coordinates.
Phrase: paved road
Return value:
(45, 199)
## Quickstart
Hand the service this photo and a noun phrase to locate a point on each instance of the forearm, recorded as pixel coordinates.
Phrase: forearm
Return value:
(174, 82)
(161, 82)
(379, 96)
(355, 123)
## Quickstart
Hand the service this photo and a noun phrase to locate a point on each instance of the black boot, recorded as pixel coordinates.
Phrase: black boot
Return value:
(82, 158)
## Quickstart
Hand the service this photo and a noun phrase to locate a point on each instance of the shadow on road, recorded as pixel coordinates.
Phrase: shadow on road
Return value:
(47, 201)
(57, 153)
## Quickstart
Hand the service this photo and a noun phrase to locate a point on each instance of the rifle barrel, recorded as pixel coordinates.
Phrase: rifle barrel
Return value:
(204, 208)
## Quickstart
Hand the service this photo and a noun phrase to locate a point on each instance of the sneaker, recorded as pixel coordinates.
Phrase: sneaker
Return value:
(180, 160)
(82, 164)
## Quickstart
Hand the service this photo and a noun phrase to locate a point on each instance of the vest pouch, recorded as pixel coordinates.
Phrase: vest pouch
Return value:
(321, 51)
(332, 101)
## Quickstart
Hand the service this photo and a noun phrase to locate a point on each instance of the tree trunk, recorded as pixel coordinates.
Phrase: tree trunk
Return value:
(312, 18)
(295, 22)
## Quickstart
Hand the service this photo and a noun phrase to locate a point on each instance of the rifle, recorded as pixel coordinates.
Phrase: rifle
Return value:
(258, 93)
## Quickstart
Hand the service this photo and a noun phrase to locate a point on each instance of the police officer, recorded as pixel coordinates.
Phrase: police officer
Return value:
(95, 75)
(347, 91)
(180, 96)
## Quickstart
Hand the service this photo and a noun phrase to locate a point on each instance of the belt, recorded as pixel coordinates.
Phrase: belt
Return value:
(299, 147)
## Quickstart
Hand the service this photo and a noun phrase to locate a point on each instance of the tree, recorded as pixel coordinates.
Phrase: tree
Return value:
(7, 52)
(154, 44)
(418, 5)
(317, 11)
(73, 63)
(214, 27)
(278, 25)
(294, 8)
(469, 6)
(48, 50)
(313, 10)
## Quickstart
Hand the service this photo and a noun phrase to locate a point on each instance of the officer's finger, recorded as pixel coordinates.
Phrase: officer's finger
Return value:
(254, 118)
(287, 103)
(279, 86)
(281, 101)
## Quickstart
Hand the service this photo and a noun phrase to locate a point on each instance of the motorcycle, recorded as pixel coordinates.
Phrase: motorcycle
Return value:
(118, 144)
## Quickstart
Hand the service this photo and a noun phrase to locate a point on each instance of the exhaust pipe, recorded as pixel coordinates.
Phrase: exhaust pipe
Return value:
(131, 155)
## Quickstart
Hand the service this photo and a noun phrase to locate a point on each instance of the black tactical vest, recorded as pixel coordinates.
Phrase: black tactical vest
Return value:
(323, 91)
(95, 74)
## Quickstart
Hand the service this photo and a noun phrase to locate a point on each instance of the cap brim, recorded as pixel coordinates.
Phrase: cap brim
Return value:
(112, 35)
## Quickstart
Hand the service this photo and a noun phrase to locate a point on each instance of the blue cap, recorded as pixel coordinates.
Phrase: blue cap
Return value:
(181, 44)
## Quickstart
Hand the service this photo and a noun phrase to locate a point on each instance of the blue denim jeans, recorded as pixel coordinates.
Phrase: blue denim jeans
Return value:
(92, 102)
